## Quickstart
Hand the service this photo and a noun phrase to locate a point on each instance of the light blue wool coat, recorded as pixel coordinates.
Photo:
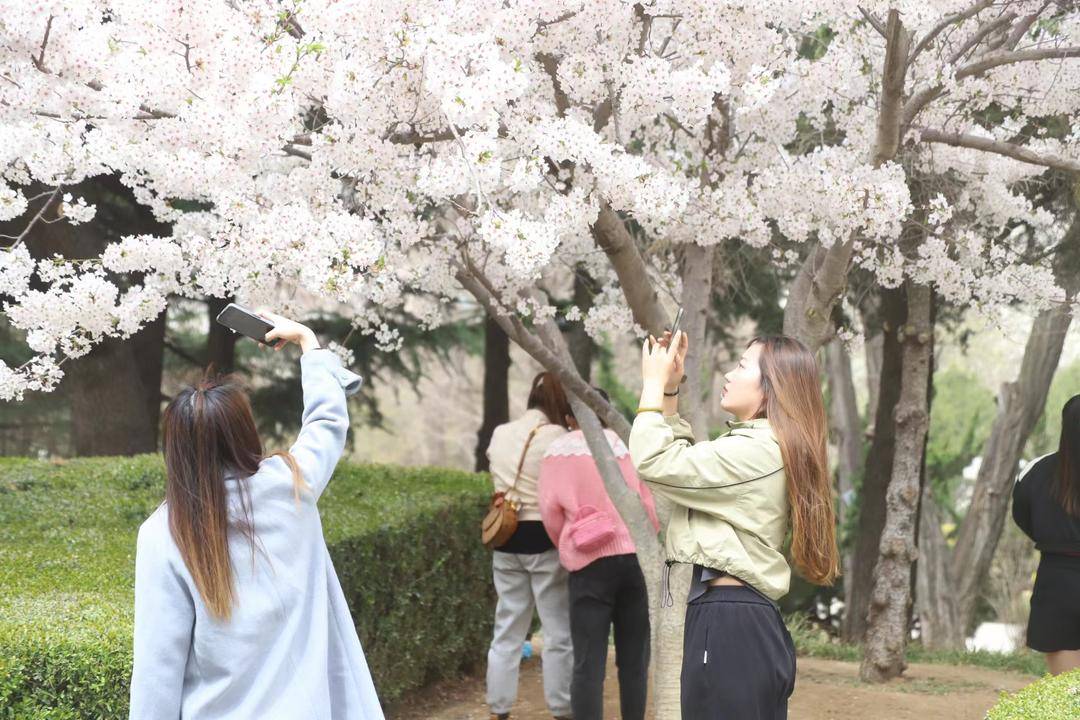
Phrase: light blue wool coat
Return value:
(290, 650)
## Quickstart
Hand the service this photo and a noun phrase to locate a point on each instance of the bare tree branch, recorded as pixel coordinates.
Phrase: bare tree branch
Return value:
(984, 30)
(954, 19)
(39, 61)
(291, 149)
(874, 22)
(1023, 26)
(37, 217)
(1017, 152)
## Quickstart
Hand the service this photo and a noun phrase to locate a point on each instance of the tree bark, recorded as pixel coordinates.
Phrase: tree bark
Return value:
(1019, 406)
(496, 388)
(696, 300)
(662, 620)
(876, 470)
(873, 354)
(934, 592)
(115, 393)
(817, 287)
(615, 240)
(887, 626)
(581, 346)
(220, 340)
(847, 431)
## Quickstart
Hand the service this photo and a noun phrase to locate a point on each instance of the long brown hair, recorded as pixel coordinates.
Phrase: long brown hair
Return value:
(208, 433)
(548, 395)
(795, 408)
(1067, 485)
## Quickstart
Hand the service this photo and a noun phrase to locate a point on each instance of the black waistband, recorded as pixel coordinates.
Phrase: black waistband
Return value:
(733, 593)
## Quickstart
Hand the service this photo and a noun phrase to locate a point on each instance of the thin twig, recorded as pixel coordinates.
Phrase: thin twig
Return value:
(37, 217)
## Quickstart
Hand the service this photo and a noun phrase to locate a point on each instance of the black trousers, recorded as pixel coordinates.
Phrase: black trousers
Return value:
(609, 591)
(738, 657)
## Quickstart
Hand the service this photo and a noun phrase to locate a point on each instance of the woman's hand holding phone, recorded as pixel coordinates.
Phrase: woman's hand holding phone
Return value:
(662, 366)
(679, 364)
(287, 331)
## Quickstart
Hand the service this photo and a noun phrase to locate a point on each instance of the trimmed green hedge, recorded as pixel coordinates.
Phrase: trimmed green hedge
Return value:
(1052, 698)
(405, 544)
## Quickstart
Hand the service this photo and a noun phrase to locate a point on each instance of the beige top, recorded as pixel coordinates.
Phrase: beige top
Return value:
(504, 453)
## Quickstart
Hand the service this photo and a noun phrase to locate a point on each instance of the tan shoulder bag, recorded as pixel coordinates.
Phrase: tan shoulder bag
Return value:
(501, 520)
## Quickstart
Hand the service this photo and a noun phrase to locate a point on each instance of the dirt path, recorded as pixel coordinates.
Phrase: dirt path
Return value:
(825, 690)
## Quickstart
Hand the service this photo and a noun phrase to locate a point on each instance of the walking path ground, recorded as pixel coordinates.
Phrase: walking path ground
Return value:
(825, 690)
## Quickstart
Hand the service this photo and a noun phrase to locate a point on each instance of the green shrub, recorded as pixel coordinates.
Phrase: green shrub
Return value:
(404, 543)
(1055, 697)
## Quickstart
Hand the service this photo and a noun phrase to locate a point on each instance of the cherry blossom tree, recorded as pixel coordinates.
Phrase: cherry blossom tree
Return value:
(392, 156)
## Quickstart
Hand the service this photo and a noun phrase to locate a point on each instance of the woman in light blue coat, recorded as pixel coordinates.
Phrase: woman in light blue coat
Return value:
(238, 610)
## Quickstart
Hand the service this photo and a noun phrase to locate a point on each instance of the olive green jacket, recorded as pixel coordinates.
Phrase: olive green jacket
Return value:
(731, 496)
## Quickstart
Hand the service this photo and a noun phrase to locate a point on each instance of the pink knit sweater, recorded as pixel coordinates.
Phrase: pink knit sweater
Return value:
(569, 480)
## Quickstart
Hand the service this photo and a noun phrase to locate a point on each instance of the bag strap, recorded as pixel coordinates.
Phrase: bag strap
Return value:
(524, 452)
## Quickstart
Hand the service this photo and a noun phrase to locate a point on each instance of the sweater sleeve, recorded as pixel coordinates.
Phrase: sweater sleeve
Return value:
(551, 511)
(676, 468)
(325, 421)
(164, 622)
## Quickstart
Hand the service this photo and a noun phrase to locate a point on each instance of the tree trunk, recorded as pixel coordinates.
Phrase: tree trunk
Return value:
(1019, 406)
(115, 390)
(846, 429)
(876, 469)
(887, 626)
(496, 392)
(115, 393)
(665, 622)
(934, 592)
(582, 348)
(220, 340)
(873, 353)
(696, 299)
(960, 571)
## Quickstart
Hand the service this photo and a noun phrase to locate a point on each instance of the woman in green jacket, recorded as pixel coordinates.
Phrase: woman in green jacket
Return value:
(737, 497)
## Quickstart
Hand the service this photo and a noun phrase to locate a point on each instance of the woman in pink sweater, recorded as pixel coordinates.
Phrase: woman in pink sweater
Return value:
(606, 584)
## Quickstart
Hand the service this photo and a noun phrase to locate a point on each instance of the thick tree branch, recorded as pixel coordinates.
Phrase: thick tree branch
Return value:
(980, 66)
(475, 283)
(1023, 26)
(615, 240)
(890, 111)
(998, 147)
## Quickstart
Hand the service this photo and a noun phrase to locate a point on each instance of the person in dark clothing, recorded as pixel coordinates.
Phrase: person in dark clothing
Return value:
(1046, 506)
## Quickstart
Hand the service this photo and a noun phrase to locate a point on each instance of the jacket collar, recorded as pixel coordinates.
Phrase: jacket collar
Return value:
(755, 423)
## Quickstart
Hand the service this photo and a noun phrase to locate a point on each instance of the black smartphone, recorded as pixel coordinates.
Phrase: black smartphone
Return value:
(677, 325)
(241, 320)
